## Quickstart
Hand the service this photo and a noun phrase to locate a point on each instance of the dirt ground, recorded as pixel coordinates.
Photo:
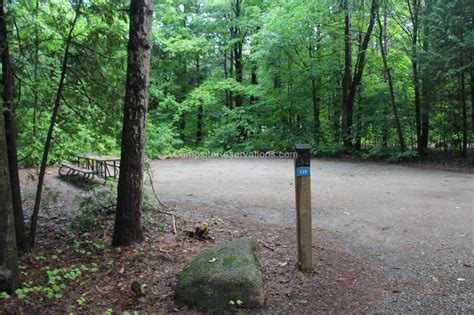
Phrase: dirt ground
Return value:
(386, 239)
(412, 226)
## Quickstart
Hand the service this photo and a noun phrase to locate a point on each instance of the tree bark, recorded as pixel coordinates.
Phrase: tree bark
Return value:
(312, 51)
(7, 82)
(414, 14)
(226, 76)
(358, 133)
(35, 75)
(10, 130)
(358, 125)
(316, 109)
(472, 101)
(239, 69)
(253, 81)
(200, 109)
(47, 145)
(127, 229)
(388, 74)
(199, 114)
(182, 96)
(253, 71)
(464, 114)
(361, 56)
(9, 271)
(231, 74)
(347, 78)
(426, 86)
(359, 69)
(20, 230)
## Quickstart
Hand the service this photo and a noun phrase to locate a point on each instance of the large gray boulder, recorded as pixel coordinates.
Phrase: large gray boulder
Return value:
(222, 277)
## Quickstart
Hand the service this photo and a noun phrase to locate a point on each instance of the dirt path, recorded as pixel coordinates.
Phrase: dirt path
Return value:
(412, 226)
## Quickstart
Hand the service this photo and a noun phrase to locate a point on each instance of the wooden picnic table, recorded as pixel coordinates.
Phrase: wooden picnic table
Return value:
(103, 166)
(89, 165)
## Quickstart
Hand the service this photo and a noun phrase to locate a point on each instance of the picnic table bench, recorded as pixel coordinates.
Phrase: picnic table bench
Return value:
(67, 169)
(89, 165)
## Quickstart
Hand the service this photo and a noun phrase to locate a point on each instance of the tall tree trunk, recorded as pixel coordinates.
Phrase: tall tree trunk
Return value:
(183, 62)
(253, 81)
(35, 74)
(9, 271)
(127, 229)
(289, 92)
(425, 89)
(239, 70)
(464, 114)
(358, 125)
(20, 230)
(425, 117)
(199, 114)
(312, 51)
(182, 126)
(47, 145)
(226, 76)
(253, 71)
(385, 27)
(347, 78)
(231, 74)
(472, 101)
(316, 109)
(383, 52)
(358, 133)
(10, 130)
(182, 96)
(359, 69)
(200, 110)
(337, 126)
(414, 14)
(238, 65)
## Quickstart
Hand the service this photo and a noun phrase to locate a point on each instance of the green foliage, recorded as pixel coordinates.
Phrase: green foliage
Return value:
(58, 279)
(96, 207)
(81, 301)
(236, 302)
(4, 295)
(332, 149)
(224, 137)
(292, 64)
(162, 139)
(97, 204)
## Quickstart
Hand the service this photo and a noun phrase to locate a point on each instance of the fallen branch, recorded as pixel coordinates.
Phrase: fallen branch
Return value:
(270, 248)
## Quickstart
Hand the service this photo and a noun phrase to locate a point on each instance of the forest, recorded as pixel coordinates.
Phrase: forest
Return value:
(369, 78)
(130, 89)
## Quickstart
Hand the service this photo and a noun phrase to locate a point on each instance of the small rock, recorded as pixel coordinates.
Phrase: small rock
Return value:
(138, 289)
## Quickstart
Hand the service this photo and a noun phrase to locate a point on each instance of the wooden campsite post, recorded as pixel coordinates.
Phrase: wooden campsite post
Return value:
(303, 207)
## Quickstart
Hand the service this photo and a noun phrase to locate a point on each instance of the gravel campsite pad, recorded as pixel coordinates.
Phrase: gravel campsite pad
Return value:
(386, 239)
